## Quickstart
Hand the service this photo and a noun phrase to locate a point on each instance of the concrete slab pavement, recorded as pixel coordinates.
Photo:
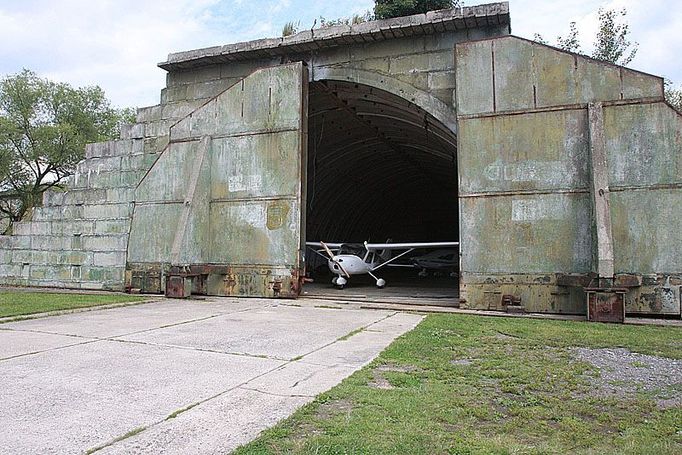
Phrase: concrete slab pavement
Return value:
(169, 371)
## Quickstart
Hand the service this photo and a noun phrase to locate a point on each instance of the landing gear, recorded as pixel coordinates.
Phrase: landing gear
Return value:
(339, 281)
(380, 281)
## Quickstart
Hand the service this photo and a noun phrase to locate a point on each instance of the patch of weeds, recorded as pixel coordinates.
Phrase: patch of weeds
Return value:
(180, 411)
(129, 434)
(350, 334)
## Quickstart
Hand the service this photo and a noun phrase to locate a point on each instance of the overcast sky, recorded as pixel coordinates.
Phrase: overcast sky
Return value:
(116, 44)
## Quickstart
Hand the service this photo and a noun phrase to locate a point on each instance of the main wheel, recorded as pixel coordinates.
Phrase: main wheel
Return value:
(381, 283)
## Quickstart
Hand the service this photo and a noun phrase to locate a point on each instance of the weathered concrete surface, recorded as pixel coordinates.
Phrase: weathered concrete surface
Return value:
(528, 162)
(233, 176)
(80, 381)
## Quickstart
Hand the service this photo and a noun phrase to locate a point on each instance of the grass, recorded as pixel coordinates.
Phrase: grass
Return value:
(24, 303)
(461, 384)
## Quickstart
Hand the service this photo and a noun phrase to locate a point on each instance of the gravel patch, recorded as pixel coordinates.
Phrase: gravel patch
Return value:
(623, 373)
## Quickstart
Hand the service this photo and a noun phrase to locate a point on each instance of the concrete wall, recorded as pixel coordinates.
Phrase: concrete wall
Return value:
(79, 237)
(527, 211)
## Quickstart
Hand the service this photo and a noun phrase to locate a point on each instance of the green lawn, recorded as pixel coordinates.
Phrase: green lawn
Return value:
(23, 303)
(463, 384)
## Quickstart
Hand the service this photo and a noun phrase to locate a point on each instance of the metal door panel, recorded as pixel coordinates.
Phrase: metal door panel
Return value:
(223, 202)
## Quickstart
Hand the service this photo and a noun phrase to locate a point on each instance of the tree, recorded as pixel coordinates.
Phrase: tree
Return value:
(673, 95)
(44, 127)
(384, 9)
(611, 43)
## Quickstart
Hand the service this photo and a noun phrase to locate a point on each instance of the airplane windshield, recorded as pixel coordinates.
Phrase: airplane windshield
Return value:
(357, 249)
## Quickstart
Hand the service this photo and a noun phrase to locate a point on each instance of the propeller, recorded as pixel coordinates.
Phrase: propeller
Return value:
(334, 259)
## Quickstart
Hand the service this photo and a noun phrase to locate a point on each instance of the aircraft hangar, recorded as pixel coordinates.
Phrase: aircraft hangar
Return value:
(556, 173)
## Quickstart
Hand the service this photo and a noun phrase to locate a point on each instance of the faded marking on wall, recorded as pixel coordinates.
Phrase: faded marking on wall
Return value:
(253, 182)
(526, 171)
(538, 209)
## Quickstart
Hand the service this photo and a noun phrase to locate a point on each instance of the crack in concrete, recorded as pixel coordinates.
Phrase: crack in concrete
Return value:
(244, 385)
(289, 395)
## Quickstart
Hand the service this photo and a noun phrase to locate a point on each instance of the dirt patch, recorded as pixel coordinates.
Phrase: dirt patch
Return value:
(334, 408)
(461, 362)
(380, 382)
(396, 368)
(623, 373)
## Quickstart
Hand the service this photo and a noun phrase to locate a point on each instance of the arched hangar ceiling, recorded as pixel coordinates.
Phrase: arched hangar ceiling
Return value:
(379, 166)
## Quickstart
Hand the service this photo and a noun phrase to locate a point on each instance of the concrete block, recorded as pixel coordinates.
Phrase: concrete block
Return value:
(102, 274)
(176, 111)
(104, 179)
(134, 131)
(131, 178)
(117, 195)
(105, 242)
(89, 196)
(70, 227)
(107, 211)
(21, 257)
(390, 48)
(45, 213)
(444, 42)
(427, 62)
(442, 80)
(112, 226)
(50, 243)
(375, 64)
(40, 228)
(10, 270)
(60, 257)
(137, 145)
(204, 74)
(99, 164)
(50, 272)
(7, 255)
(149, 113)
(158, 128)
(17, 242)
(51, 197)
(206, 90)
(109, 259)
(154, 145)
(22, 228)
(174, 94)
(133, 162)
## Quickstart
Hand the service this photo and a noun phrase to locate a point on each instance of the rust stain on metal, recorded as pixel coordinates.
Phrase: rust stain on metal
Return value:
(276, 214)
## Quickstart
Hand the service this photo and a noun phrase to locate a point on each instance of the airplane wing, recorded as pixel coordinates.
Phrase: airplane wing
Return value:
(332, 246)
(406, 246)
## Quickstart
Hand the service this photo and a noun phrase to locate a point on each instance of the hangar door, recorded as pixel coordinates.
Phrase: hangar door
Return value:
(222, 209)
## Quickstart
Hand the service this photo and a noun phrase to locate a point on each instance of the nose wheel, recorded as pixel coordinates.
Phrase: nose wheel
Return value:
(339, 282)
(380, 281)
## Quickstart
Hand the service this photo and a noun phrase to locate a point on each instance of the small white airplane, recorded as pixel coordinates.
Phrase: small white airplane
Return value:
(346, 259)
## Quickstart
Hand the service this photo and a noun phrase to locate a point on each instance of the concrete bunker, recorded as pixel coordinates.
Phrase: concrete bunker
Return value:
(565, 170)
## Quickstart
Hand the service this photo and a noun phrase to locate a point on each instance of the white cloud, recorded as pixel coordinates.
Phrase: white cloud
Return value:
(117, 43)
(654, 24)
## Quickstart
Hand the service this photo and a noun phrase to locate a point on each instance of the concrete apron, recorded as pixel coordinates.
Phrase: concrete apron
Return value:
(176, 376)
